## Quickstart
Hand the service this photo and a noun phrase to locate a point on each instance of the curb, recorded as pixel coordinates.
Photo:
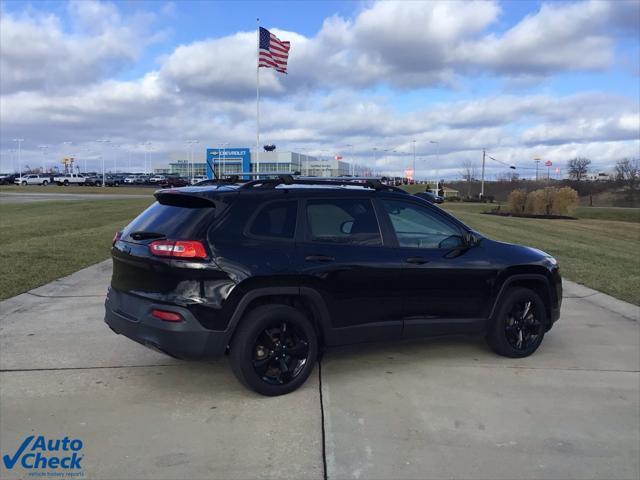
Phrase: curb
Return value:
(602, 300)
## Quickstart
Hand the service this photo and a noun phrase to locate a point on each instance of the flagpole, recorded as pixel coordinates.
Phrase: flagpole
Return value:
(258, 99)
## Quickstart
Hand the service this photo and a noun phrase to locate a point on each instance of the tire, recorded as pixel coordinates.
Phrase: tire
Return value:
(45, 183)
(24, 183)
(514, 332)
(66, 183)
(251, 340)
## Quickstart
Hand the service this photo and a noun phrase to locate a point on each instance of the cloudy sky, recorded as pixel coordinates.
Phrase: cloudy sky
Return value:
(522, 79)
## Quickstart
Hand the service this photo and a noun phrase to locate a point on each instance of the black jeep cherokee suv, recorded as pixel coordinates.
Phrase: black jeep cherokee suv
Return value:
(273, 270)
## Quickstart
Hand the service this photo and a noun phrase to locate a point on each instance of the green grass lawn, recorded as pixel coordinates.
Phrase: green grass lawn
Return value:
(622, 214)
(77, 189)
(598, 250)
(42, 241)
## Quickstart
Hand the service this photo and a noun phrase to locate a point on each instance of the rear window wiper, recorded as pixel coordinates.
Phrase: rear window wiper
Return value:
(143, 235)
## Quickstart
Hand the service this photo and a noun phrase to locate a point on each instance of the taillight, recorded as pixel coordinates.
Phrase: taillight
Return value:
(166, 316)
(178, 248)
(116, 237)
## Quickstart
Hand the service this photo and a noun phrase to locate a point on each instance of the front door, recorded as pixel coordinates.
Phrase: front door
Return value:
(446, 284)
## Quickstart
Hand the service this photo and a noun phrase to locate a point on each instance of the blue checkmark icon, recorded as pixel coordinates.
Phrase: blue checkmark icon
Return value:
(10, 462)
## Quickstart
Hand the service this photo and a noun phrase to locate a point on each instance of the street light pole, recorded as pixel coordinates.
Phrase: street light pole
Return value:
(414, 160)
(191, 166)
(19, 140)
(224, 157)
(44, 156)
(104, 142)
(437, 162)
(484, 154)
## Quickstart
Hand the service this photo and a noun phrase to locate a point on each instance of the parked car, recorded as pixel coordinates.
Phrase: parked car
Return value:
(272, 271)
(111, 180)
(69, 179)
(198, 178)
(32, 179)
(173, 181)
(91, 180)
(156, 178)
(430, 197)
(131, 179)
(7, 178)
(143, 179)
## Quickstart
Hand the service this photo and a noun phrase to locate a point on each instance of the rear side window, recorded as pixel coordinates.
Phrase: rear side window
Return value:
(276, 220)
(344, 221)
(174, 222)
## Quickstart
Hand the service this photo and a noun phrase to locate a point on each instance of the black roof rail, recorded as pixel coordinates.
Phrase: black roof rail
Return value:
(373, 183)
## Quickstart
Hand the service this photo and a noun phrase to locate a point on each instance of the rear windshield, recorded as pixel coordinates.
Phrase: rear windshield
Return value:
(180, 223)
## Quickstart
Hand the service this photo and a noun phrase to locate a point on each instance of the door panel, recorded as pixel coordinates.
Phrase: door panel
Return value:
(445, 284)
(342, 256)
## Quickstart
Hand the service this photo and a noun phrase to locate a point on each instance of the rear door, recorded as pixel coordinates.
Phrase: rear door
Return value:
(341, 254)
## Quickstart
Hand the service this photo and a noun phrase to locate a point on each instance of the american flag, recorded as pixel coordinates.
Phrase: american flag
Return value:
(273, 53)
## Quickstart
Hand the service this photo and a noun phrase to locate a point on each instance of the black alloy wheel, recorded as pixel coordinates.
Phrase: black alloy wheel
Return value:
(280, 353)
(519, 325)
(523, 326)
(274, 349)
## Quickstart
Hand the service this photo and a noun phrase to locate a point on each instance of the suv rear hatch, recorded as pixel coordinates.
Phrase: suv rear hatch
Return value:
(163, 253)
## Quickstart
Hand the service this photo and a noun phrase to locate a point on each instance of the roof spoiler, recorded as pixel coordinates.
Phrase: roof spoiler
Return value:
(182, 198)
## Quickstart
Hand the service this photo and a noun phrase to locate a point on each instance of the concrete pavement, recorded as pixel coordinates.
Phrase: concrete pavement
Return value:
(438, 408)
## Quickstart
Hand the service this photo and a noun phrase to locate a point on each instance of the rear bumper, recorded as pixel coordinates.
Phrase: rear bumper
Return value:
(130, 316)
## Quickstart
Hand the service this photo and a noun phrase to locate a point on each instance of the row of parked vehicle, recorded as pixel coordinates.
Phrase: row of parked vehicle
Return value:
(96, 179)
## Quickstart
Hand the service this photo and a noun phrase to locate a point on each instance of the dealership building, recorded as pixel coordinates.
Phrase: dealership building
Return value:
(237, 160)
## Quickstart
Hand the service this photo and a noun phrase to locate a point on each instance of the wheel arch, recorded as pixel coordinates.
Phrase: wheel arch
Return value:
(538, 282)
(305, 299)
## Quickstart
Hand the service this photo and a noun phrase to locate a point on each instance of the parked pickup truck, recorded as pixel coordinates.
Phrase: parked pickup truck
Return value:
(69, 179)
(32, 179)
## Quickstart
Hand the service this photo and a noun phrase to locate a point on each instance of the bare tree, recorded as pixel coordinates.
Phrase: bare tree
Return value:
(578, 168)
(628, 171)
(469, 173)
(508, 177)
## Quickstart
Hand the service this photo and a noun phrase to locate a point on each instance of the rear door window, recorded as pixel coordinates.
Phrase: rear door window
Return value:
(342, 221)
(276, 220)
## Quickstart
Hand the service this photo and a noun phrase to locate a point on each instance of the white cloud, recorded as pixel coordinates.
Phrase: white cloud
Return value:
(38, 54)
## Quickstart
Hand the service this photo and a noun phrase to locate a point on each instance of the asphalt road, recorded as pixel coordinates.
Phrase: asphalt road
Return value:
(11, 197)
(446, 408)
